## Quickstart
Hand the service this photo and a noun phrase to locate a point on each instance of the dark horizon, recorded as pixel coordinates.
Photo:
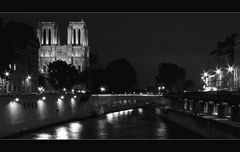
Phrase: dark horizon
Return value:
(147, 39)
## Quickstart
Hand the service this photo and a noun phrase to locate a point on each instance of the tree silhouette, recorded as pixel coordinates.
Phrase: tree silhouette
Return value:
(93, 79)
(120, 76)
(62, 75)
(12, 36)
(171, 76)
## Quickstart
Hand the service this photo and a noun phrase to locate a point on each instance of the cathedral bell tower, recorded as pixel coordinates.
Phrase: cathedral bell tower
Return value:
(77, 34)
(48, 34)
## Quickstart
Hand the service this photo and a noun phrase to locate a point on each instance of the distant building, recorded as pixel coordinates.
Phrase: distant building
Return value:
(23, 74)
(224, 65)
(75, 52)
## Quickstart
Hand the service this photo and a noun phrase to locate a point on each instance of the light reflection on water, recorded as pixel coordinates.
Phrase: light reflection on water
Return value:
(43, 136)
(141, 123)
(62, 133)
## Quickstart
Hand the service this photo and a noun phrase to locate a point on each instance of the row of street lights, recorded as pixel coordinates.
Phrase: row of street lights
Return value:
(7, 74)
(218, 71)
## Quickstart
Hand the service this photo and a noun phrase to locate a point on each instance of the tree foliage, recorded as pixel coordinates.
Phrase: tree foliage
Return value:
(93, 79)
(62, 75)
(120, 76)
(171, 76)
(11, 35)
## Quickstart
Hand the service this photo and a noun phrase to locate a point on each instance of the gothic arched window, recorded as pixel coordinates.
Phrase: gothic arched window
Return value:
(79, 36)
(49, 36)
(44, 36)
(74, 36)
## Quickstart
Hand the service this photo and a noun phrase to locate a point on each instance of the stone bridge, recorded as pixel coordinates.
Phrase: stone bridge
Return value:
(104, 103)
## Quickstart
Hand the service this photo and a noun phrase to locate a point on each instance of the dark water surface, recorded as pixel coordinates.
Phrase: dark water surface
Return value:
(140, 123)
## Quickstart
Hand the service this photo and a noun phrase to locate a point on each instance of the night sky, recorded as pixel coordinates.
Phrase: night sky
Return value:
(147, 39)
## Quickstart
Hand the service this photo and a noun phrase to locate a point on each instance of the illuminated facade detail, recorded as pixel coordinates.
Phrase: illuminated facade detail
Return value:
(224, 65)
(76, 52)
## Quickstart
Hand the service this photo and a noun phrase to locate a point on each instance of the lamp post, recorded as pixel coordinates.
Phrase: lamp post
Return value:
(219, 72)
(102, 89)
(230, 71)
(7, 74)
(28, 81)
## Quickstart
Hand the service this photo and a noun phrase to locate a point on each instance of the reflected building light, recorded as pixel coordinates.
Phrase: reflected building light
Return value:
(43, 136)
(75, 127)
(72, 101)
(161, 130)
(62, 133)
(130, 111)
(121, 112)
(101, 128)
(109, 117)
(115, 114)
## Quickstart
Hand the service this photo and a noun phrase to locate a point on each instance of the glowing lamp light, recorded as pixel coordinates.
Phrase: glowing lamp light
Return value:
(205, 74)
(102, 89)
(7, 74)
(28, 78)
(44, 98)
(218, 71)
(163, 87)
(64, 89)
(74, 97)
(17, 99)
(83, 91)
(230, 68)
(62, 97)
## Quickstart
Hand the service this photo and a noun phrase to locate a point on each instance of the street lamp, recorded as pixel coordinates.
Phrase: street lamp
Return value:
(28, 77)
(205, 74)
(27, 80)
(7, 74)
(218, 71)
(102, 89)
(230, 70)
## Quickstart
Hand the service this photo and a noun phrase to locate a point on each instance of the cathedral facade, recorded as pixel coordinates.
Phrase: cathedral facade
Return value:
(75, 52)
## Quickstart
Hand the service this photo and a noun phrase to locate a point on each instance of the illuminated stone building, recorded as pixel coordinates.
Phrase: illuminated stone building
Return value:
(223, 69)
(22, 76)
(75, 52)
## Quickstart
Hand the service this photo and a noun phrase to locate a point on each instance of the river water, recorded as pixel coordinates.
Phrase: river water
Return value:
(139, 123)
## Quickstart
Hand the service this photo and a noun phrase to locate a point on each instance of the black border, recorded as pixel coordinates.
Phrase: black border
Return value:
(119, 6)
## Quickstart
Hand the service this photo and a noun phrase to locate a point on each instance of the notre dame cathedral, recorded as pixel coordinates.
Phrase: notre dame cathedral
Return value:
(76, 52)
